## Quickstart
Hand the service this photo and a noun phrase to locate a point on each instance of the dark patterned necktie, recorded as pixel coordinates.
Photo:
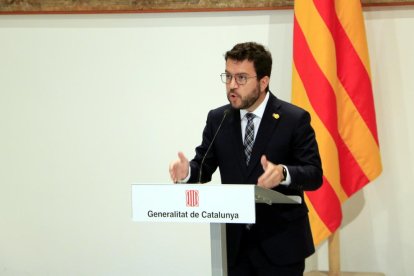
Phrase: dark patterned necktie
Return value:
(249, 137)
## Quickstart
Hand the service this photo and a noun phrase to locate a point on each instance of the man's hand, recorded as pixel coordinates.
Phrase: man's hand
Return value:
(179, 168)
(272, 176)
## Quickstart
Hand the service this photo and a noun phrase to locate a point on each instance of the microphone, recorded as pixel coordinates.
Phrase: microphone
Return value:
(227, 111)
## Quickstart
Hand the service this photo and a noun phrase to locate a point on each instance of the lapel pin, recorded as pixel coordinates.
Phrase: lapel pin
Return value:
(276, 116)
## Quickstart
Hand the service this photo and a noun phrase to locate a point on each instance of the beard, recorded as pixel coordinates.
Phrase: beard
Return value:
(247, 100)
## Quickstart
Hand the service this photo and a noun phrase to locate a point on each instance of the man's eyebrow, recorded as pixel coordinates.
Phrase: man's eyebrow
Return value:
(241, 73)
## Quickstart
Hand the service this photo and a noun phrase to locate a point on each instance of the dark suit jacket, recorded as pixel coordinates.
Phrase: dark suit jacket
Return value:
(286, 137)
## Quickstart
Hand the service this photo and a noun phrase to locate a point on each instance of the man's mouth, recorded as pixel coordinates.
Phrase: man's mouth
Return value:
(233, 95)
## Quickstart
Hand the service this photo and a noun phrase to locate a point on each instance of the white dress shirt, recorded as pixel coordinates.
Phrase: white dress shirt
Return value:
(258, 112)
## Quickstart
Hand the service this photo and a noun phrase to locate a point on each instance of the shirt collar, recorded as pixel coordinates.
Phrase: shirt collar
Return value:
(258, 112)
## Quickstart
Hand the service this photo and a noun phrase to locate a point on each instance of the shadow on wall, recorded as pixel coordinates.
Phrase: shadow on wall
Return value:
(352, 208)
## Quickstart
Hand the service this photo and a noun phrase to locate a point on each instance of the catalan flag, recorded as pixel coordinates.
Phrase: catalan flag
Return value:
(331, 79)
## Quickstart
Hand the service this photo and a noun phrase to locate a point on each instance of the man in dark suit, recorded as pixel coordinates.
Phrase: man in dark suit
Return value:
(265, 141)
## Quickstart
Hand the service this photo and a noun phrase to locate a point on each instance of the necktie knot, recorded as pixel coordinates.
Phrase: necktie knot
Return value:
(250, 117)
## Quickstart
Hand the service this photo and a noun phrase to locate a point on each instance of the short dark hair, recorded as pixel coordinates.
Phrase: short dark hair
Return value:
(254, 52)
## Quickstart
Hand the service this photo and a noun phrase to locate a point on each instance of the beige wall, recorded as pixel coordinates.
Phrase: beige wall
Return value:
(76, 92)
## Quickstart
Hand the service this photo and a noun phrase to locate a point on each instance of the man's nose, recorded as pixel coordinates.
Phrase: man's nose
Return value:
(233, 83)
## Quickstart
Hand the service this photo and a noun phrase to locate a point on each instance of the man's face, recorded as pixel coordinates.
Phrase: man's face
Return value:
(249, 95)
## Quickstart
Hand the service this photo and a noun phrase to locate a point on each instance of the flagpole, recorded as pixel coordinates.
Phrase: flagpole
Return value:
(334, 255)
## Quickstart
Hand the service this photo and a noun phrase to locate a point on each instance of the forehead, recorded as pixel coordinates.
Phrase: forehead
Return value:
(237, 67)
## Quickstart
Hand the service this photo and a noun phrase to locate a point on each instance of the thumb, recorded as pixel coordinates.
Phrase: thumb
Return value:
(182, 157)
(264, 162)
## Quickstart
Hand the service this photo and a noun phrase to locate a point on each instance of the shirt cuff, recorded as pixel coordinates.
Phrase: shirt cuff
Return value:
(288, 180)
(185, 180)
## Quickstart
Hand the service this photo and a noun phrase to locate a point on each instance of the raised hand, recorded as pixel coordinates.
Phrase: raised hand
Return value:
(272, 176)
(179, 168)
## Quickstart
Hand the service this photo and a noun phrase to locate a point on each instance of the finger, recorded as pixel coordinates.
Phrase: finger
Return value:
(264, 162)
(260, 181)
(172, 174)
(264, 178)
(269, 178)
(174, 167)
(182, 157)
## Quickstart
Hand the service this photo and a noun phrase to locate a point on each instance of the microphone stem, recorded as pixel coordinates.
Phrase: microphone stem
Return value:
(209, 147)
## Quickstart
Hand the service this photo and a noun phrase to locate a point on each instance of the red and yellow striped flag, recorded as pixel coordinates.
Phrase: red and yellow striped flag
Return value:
(331, 79)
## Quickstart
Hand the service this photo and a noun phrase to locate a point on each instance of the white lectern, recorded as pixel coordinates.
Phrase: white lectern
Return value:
(204, 203)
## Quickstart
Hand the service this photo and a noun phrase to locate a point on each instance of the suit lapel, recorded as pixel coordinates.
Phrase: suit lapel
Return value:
(267, 127)
(237, 141)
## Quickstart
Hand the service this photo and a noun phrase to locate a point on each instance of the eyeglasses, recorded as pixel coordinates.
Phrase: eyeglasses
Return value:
(241, 79)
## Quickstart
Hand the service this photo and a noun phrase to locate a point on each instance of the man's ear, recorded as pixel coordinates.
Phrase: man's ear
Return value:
(264, 82)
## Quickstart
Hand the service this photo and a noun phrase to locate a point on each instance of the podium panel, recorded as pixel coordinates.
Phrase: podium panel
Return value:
(204, 203)
(195, 203)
